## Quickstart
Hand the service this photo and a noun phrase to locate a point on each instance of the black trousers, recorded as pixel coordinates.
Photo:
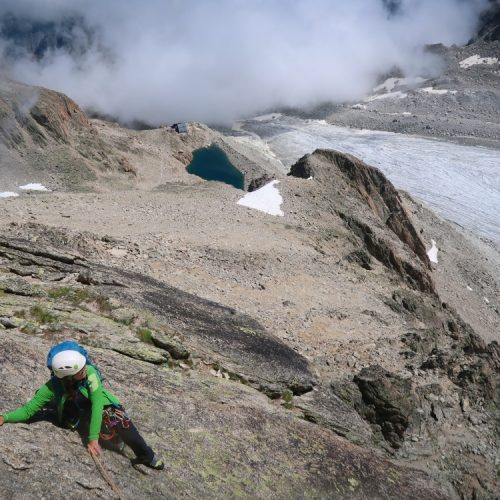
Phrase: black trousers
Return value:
(115, 425)
(127, 431)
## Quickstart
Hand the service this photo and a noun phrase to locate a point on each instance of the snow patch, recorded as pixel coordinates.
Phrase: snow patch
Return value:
(266, 199)
(388, 85)
(433, 253)
(390, 95)
(476, 59)
(8, 194)
(431, 90)
(34, 187)
(391, 83)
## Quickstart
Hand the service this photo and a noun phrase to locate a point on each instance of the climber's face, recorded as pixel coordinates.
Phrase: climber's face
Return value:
(81, 374)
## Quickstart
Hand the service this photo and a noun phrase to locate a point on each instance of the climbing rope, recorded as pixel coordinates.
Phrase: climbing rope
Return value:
(106, 476)
(100, 467)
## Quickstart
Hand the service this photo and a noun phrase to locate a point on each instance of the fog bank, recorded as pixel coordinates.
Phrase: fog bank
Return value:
(218, 60)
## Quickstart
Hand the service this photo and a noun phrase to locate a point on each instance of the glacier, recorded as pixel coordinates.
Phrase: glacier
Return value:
(461, 183)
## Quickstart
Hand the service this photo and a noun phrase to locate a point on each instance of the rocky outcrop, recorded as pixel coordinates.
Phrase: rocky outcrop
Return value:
(218, 438)
(258, 182)
(37, 114)
(16, 124)
(372, 185)
(221, 336)
(254, 174)
(450, 382)
(351, 186)
(59, 115)
(323, 407)
(192, 374)
(45, 134)
(451, 347)
(442, 376)
(387, 402)
(489, 24)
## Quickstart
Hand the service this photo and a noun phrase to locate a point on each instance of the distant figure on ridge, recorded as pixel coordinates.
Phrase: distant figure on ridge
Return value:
(75, 389)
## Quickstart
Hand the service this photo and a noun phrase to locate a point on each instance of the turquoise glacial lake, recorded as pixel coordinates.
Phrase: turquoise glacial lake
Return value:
(212, 164)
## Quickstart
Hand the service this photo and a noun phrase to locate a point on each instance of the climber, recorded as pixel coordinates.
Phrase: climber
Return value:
(75, 388)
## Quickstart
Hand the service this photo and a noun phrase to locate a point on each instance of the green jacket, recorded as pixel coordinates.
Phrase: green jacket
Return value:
(54, 391)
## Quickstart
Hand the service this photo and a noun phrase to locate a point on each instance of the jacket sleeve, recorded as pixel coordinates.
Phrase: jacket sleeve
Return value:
(43, 396)
(96, 397)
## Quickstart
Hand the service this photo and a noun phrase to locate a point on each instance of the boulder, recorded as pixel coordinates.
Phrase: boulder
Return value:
(387, 402)
(170, 344)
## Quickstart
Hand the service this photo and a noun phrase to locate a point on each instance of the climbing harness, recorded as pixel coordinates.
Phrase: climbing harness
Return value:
(112, 416)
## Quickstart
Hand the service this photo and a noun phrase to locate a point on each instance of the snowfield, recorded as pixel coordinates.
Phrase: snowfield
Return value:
(27, 187)
(433, 253)
(34, 187)
(476, 59)
(390, 95)
(431, 90)
(391, 83)
(267, 199)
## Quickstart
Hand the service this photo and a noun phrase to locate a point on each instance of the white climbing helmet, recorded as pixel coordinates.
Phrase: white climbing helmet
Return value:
(67, 363)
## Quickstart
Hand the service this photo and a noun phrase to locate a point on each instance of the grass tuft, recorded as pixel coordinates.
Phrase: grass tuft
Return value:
(145, 334)
(42, 315)
(77, 296)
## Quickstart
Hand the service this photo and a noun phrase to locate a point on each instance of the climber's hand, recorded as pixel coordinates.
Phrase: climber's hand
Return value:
(94, 448)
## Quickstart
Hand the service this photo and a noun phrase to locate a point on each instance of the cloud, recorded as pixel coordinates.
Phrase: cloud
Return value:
(216, 60)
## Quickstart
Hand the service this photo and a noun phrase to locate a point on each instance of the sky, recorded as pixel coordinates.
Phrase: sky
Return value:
(219, 60)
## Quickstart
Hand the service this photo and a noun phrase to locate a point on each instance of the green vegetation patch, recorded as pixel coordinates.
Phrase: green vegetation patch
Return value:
(74, 295)
(42, 315)
(78, 296)
(145, 334)
(247, 330)
(29, 329)
(287, 396)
